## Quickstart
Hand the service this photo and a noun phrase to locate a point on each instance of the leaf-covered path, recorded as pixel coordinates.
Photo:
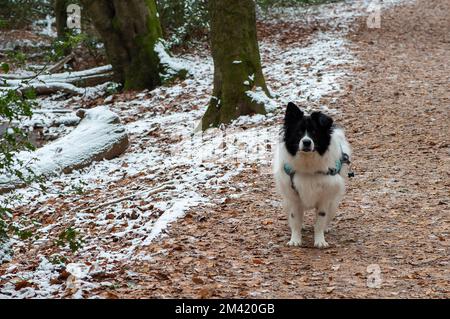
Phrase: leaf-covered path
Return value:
(396, 212)
(389, 87)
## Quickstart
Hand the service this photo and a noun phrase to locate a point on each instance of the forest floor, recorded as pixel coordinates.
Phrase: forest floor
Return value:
(395, 213)
(394, 101)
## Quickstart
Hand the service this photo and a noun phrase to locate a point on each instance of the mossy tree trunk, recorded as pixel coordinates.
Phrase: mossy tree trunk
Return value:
(129, 29)
(60, 7)
(237, 63)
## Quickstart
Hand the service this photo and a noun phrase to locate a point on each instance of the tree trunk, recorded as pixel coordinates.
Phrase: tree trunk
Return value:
(61, 18)
(129, 29)
(237, 64)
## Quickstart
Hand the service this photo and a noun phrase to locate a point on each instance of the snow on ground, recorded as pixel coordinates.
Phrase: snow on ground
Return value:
(308, 73)
(340, 14)
(16, 44)
(171, 65)
(165, 151)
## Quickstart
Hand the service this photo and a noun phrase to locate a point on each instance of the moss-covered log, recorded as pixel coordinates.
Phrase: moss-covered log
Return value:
(129, 29)
(237, 64)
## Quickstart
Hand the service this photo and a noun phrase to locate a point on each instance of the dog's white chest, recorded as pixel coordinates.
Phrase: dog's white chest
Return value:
(313, 189)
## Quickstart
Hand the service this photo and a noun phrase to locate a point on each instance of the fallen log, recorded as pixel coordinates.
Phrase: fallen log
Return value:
(91, 80)
(67, 82)
(99, 136)
(80, 78)
(60, 64)
(46, 89)
(50, 88)
(57, 77)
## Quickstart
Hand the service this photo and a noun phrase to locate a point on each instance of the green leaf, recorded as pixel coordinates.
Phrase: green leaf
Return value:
(30, 94)
(5, 67)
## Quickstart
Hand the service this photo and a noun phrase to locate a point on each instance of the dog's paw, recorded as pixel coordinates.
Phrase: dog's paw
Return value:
(321, 244)
(294, 242)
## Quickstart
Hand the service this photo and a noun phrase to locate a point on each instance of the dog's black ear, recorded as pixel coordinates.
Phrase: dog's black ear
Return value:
(322, 119)
(293, 114)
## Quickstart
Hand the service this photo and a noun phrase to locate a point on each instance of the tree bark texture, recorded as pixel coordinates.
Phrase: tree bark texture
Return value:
(61, 18)
(129, 29)
(237, 63)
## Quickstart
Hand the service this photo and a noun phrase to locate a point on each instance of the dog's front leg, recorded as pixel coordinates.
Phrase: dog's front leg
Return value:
(330, 215)
(319, 228)
(295, 222)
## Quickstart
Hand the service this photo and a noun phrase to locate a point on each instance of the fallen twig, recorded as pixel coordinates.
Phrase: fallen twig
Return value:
(52, 111)
(139, 194)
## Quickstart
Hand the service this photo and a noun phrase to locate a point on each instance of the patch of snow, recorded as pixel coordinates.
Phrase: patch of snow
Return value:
(171, 214)
(39, 280)
(78, 270)
(260, 97)
(5, 250)
(172, 65)
(19, 44)
(306, 74)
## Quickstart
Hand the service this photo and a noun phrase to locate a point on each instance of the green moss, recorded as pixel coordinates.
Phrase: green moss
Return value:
(115, 23)
(154, 25)
(231, 42)
(145, 67)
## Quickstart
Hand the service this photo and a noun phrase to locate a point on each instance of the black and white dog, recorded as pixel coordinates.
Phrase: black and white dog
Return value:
(310, 168)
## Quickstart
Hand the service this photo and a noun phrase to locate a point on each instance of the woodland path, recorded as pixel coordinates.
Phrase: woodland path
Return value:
(396, 212)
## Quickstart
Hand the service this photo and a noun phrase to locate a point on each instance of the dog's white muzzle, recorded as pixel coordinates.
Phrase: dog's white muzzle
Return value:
(306, 144)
